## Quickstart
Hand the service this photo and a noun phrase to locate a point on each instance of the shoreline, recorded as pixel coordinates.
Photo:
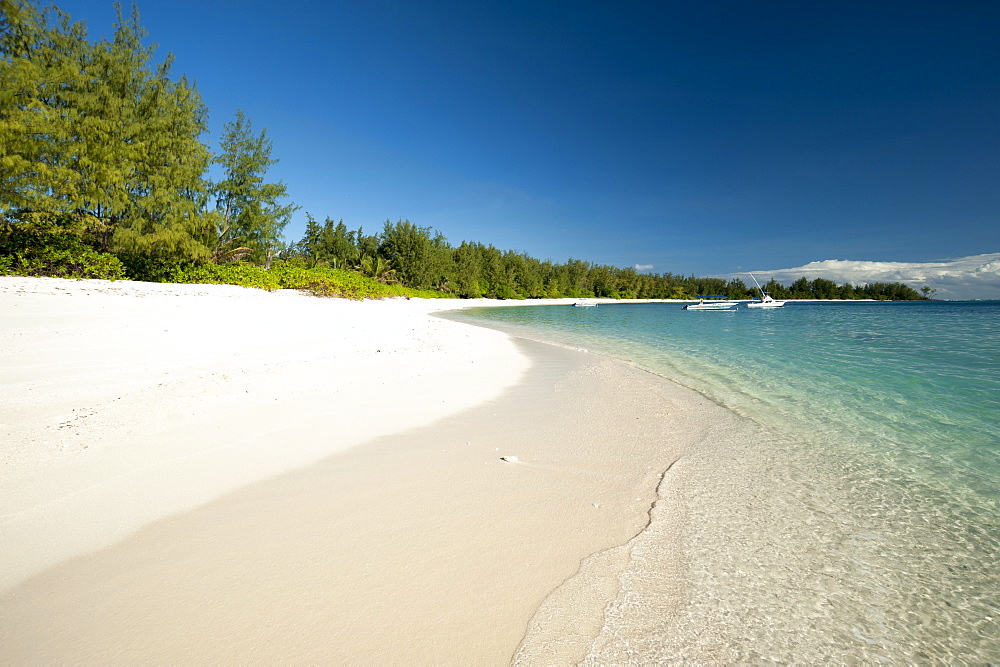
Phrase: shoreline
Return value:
(427, 521)
(419, 547)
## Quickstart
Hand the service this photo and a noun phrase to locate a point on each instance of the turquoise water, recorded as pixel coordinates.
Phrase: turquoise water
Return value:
(880, 427)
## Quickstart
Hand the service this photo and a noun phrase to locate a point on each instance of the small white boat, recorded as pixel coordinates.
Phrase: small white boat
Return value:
(712, 305)
(766, 301)
(584, 304)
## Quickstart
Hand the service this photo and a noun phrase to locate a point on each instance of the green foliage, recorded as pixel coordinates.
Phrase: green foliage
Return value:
(378, 268)
(94, 133)
(292, 274)
(152, 175)
(889, 292)
(54, 255)
(420, 259)
(821, 288)
(42, 73)
(249, 215)
(466, 272)
(333, 245)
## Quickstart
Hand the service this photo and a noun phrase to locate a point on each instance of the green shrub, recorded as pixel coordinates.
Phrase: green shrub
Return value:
(57, 256)
(235, 273)
(320, 281)
(66, 256)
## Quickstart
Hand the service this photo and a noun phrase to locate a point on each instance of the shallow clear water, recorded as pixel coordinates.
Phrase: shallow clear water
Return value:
(873, 474)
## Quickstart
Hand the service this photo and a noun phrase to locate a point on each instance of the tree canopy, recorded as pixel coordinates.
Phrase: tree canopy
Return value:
(103, 144)
(249, 210)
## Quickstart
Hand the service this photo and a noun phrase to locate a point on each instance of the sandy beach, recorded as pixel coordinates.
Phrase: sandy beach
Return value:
(194, 473)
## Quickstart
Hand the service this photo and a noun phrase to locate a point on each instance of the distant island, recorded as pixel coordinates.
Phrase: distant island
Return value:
(106, 175)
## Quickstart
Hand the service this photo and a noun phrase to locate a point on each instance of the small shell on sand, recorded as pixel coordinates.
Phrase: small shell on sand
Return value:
(512, 459)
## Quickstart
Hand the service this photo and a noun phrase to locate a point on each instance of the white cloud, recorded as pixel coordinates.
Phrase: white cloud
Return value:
(643, 267)
(975, 277)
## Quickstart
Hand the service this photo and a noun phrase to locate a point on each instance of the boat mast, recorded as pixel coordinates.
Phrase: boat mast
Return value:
(758, 287)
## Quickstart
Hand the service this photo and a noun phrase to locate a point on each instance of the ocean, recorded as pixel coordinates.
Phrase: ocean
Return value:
(853, 516)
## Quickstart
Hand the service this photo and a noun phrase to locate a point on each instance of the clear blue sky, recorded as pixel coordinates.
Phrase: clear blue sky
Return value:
(704, 138)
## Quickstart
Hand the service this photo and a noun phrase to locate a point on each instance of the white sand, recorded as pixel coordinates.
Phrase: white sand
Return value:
(126, 402)
(181, 477)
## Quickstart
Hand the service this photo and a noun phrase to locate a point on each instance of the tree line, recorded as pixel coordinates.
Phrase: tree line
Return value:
(422, 258)
(104, 173)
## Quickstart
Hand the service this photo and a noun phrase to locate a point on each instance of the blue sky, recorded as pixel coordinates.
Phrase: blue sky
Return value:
(706, 138)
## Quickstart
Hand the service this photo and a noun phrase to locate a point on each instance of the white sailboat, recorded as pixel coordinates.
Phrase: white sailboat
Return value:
(766, 301)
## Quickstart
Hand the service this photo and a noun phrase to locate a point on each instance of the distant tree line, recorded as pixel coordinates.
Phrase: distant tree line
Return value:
(421, 258)
(104, 174)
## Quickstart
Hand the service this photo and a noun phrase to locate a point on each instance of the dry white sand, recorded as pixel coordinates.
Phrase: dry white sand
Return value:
(127, 402)
(181, 477)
